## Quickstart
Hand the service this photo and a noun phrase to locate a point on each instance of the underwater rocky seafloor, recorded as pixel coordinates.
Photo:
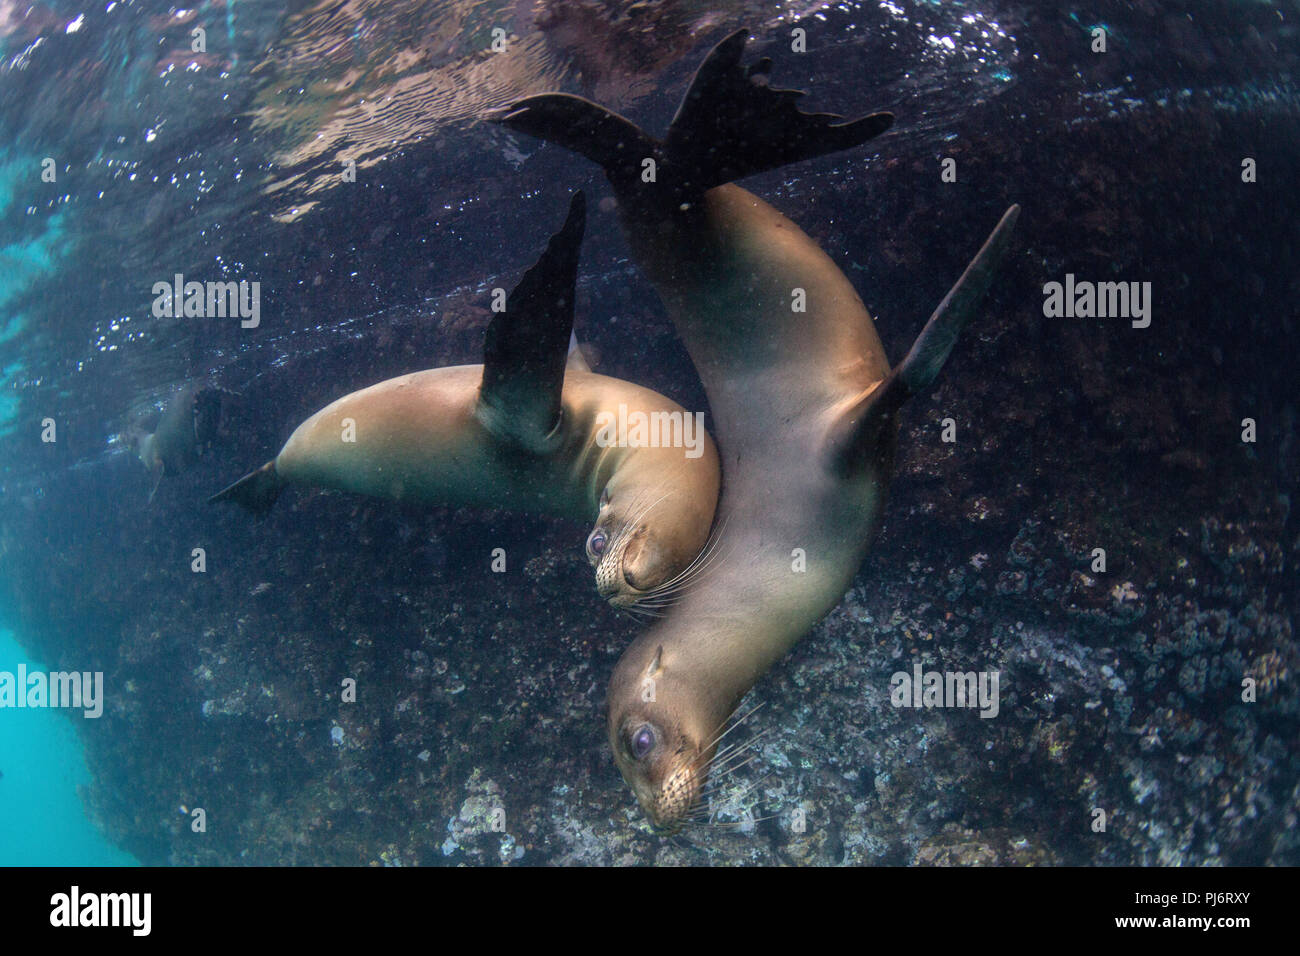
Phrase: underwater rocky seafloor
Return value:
(479, 691)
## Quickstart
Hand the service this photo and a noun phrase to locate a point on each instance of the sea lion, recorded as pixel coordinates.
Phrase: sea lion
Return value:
(804, 403)
(531, 429)
(190, 423)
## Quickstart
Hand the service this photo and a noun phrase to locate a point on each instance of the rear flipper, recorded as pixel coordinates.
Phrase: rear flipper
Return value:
(858, 431)
(255, 492)
(731, 124)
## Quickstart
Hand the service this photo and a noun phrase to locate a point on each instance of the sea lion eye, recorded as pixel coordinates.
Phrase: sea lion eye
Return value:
(596, 543)
(643, 741)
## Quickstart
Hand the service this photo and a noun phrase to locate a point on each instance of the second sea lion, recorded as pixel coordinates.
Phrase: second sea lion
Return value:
(531, 430)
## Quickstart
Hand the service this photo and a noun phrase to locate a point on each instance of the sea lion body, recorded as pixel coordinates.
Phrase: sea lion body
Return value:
(805, 479)
(804, 402)
(531, 429)
(421, 437)
(417, 438)
(778, 381)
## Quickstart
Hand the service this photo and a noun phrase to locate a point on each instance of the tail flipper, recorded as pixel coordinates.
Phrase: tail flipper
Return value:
(731, 124)
(857, 431)
(255, 492)
(615, 144)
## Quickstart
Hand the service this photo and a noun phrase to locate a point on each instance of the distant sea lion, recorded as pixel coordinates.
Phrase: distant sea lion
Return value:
(190, 423)
(531, 429)
(804, 404)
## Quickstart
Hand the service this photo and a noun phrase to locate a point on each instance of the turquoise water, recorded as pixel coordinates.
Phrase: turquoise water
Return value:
(41, 818)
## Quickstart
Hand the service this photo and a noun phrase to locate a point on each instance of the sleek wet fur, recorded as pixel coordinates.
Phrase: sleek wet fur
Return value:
(804, 405)
(518, 432)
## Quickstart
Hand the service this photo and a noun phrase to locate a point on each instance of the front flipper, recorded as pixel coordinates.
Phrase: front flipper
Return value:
(526, 347)
(857, 433)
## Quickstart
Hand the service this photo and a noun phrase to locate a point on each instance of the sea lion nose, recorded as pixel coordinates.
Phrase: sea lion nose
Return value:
(642, 568)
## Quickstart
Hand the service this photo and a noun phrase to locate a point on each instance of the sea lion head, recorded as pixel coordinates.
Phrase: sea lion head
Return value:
(662, 741)
(636, 550)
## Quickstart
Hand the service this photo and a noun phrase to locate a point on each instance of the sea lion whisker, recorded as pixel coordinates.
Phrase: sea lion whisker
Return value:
(736, 824)
(722, 786)
(703, 561)
(648, 610)
(659, 603)
(693, 579)
(679, 582)
(719, 763)
(670, 592)
(721, 757)
(707, 817)
(653, 598)
(632, 525)
(717, 779)
(749, 788)
(638, 610)
(735, 722)
(711, 545)
(709, 814)
(709, 825)
(722, 763)
(716, 791)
